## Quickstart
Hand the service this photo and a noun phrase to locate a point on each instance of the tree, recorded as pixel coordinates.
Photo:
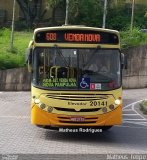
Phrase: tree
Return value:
(87, 12)
(32, 11)
(58, 8)
(81, 12)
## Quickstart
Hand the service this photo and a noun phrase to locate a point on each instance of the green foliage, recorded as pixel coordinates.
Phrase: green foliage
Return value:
(87, 12)
(145, 103)
(55, 3)
(143, 106)
(83, 12)
(132, 38)
(90, 13)
(118, 18)
(11, 61)
(21, 25)
(16, 57)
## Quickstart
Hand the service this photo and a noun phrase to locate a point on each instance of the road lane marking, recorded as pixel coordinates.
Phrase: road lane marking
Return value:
(138, 113)
(16, 117)
(134, 119)
(131, 114)
(133, 103)
(127, 110)
(130, 120)
(138, 123)
(134, 127)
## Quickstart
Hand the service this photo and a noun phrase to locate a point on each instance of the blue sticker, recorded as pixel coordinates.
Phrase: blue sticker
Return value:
(84, 83)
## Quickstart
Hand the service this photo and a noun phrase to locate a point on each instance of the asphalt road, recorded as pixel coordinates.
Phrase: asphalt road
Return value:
(18, 136)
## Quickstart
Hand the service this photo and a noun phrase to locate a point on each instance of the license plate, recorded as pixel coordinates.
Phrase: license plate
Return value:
(77, 119)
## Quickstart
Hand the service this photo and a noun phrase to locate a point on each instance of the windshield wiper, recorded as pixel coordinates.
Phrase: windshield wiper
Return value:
(61, 55)
(91, 57)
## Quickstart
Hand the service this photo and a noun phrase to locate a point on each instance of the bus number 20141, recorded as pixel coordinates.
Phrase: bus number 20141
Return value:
(98, 103)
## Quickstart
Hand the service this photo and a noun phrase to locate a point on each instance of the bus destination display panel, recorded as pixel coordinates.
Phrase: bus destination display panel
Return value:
(76, 36)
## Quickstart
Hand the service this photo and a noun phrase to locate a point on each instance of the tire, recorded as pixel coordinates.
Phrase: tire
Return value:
(106, 128)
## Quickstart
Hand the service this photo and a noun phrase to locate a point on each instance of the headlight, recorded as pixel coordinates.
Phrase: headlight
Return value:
(117, 101)
(37, 101)
(43, 106)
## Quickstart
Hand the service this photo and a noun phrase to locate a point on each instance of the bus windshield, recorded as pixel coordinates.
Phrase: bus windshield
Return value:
(76, 68)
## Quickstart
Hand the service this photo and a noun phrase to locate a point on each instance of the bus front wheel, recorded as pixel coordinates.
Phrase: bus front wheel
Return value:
(105, 128)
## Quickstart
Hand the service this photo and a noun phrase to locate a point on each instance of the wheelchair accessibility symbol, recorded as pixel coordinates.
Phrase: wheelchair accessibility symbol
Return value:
(84, 83)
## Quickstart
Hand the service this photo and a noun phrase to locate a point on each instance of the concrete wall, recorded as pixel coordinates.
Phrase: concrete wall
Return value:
(15, 80)
(136, 74)
(134, 77)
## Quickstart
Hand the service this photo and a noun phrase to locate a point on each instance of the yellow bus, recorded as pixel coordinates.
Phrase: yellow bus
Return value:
(76, 77)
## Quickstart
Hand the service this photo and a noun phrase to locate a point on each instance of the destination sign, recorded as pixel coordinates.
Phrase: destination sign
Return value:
(76, 36)
(59, 82)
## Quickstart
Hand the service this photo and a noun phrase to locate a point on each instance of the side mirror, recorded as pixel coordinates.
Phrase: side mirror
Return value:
(124, 64)
(29, 54)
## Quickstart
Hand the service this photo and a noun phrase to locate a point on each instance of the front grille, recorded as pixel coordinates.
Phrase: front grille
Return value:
(85, 122)
(77, 96)
(87, 118)
(81, 110)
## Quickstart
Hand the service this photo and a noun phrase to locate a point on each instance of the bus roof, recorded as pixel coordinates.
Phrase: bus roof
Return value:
(64, 27)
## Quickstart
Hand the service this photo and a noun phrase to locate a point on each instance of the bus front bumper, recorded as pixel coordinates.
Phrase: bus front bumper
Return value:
(43, 118)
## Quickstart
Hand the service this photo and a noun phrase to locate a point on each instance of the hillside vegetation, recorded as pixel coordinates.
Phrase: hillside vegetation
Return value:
(82, 12)
(133, 39)
(16, 57)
